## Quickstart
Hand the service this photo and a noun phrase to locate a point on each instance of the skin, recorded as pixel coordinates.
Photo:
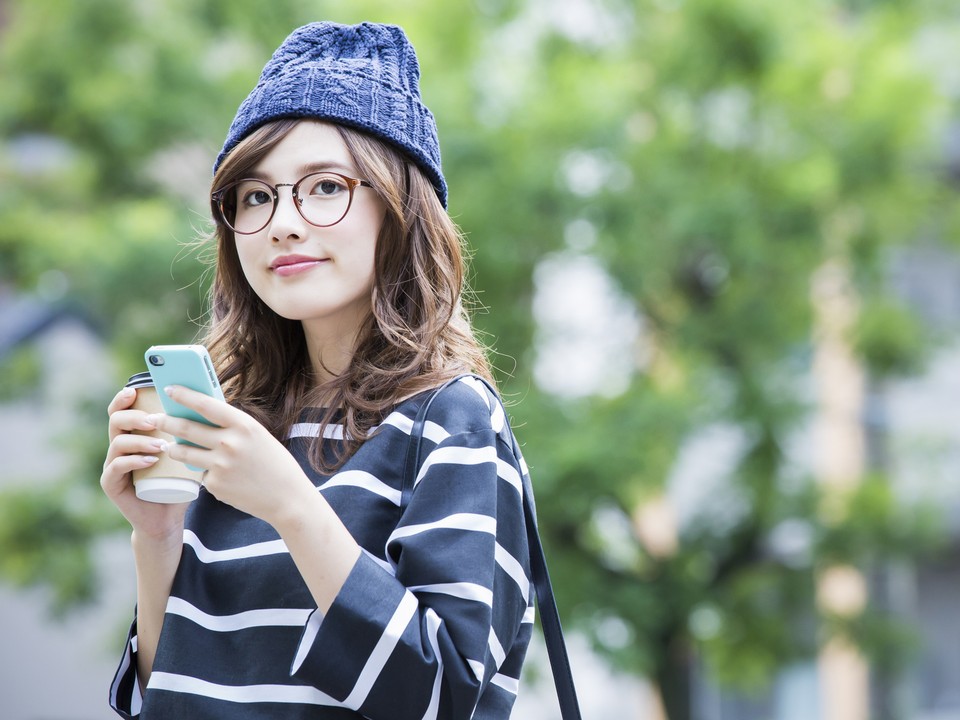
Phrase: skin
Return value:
(247, 467)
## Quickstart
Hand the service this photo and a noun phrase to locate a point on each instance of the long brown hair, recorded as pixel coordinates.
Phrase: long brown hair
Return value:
(416, 336)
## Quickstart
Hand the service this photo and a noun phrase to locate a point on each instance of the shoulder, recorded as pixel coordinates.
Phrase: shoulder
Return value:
(465, 405)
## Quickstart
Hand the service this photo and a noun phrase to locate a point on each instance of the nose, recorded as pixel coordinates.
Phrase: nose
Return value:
(287, 222)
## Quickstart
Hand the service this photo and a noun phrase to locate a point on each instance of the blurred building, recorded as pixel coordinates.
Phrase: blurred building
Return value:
(55, 669)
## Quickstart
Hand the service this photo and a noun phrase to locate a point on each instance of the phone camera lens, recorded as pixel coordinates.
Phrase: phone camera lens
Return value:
(156, 360)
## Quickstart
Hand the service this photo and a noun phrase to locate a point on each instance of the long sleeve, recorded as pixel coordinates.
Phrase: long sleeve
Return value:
(430, 632)
(125, 697)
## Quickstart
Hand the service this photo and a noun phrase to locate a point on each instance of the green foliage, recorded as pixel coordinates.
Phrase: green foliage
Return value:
(46, 543)
(713, 153)
(890, 339)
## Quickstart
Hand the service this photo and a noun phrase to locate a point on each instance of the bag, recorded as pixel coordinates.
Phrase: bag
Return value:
(546, 603)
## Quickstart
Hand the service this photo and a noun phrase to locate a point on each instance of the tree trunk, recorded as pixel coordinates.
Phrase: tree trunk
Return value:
(674, 680)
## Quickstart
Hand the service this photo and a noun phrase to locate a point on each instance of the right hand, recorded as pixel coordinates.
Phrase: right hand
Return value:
(129, 452)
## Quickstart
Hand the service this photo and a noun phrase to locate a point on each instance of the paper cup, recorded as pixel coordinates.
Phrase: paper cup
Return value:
(166, 481)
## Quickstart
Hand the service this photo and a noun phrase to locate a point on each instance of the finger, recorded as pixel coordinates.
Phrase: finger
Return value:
(195, 432)
(122, 400)
(115, 473)
(197, 457)
(125, 421)
(215, 411)
(130, 444)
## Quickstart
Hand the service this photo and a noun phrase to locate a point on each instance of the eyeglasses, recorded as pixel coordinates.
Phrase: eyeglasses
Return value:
(322, 198)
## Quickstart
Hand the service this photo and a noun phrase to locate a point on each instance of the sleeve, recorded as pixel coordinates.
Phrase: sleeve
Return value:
(428, 640)
(125, 697)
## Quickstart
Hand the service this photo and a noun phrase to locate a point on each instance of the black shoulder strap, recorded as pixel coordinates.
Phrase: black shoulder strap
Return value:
(546, 602)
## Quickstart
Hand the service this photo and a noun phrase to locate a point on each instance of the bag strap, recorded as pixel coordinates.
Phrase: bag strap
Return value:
(546, 602)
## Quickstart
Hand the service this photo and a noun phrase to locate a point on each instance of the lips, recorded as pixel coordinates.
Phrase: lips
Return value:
(293, 264)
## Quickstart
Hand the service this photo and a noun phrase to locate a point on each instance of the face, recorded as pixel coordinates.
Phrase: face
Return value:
(322, 276)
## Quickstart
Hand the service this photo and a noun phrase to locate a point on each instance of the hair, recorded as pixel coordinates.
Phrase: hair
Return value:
(416, 336)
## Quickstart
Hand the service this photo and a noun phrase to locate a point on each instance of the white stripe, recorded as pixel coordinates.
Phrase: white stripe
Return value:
(125, 664)
(496, 649)
(462, 590)
(265, 617)
(364, 480)
(397, 420)
(508, 473)
(306, 642)
(478, 387)
(433, 623)
(136, 700)
(458, 521)
(531, 613)
(478, 670)
(207, 556)
(514, 569)
(498, 418)
(241, 693)
(511, 685)
(312, 430)
(431, 431)
(382, 651)
(434, 432)
(457, 456)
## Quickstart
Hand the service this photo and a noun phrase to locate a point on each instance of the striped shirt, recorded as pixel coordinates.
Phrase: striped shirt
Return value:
(433, 621)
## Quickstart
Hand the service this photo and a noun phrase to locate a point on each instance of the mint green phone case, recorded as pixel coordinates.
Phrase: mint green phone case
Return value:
(186, 365)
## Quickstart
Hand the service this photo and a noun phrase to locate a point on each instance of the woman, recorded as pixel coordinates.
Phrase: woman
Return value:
(336, 306)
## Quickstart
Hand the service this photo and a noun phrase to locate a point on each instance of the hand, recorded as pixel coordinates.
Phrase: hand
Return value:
(128, 452)
(246, 467)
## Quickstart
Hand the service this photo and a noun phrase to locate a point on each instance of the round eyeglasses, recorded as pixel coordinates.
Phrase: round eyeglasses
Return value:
(322, 198)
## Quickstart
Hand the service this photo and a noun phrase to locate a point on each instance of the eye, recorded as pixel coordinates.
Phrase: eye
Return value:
(326, 185)
(255, 197)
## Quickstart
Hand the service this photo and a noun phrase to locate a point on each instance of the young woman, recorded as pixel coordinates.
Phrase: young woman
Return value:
(299, 584)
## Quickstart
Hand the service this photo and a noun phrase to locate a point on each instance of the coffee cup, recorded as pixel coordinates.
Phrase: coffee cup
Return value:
(167, 480)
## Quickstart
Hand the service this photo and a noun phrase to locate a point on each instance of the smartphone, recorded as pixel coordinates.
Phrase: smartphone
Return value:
(186, 365)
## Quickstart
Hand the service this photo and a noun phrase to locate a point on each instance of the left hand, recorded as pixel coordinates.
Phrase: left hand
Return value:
(246, 466)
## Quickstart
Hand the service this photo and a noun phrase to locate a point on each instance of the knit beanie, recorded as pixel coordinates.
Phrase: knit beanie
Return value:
(364, 76)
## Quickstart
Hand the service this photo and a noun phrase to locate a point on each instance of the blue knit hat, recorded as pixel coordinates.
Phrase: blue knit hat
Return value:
(365, 76)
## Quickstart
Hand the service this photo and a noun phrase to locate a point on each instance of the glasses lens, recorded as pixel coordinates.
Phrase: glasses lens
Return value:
(248, 206)
(324, 198)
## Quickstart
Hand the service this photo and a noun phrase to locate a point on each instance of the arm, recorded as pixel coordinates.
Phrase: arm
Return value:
(448, 628)
(308, 524)
(156, 540)
(156, 561)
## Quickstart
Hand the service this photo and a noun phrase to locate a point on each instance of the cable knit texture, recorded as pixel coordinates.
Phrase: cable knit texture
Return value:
(365, 76)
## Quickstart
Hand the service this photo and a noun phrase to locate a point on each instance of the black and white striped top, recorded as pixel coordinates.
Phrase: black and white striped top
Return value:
(433, 621)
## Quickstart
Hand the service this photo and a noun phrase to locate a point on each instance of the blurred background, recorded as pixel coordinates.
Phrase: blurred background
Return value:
(715, 244)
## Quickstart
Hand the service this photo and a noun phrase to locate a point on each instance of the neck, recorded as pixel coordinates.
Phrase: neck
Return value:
(331, 350)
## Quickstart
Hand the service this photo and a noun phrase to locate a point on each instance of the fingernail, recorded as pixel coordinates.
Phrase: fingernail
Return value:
(149, 459)
(169, 390)
(163, 446)
(151, 420)
(127, 392)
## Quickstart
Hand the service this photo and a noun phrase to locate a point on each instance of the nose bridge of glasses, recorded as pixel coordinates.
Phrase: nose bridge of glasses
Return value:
(294, 187)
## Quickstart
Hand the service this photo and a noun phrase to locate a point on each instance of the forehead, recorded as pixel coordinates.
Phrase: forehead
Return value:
(310, 144)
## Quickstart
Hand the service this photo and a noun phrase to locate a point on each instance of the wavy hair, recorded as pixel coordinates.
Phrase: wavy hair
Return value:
(416, 336)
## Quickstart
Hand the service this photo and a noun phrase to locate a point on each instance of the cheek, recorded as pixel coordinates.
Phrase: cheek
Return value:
(247, 257)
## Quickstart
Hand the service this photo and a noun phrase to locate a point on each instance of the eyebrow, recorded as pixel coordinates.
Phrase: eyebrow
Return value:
(303, 170)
